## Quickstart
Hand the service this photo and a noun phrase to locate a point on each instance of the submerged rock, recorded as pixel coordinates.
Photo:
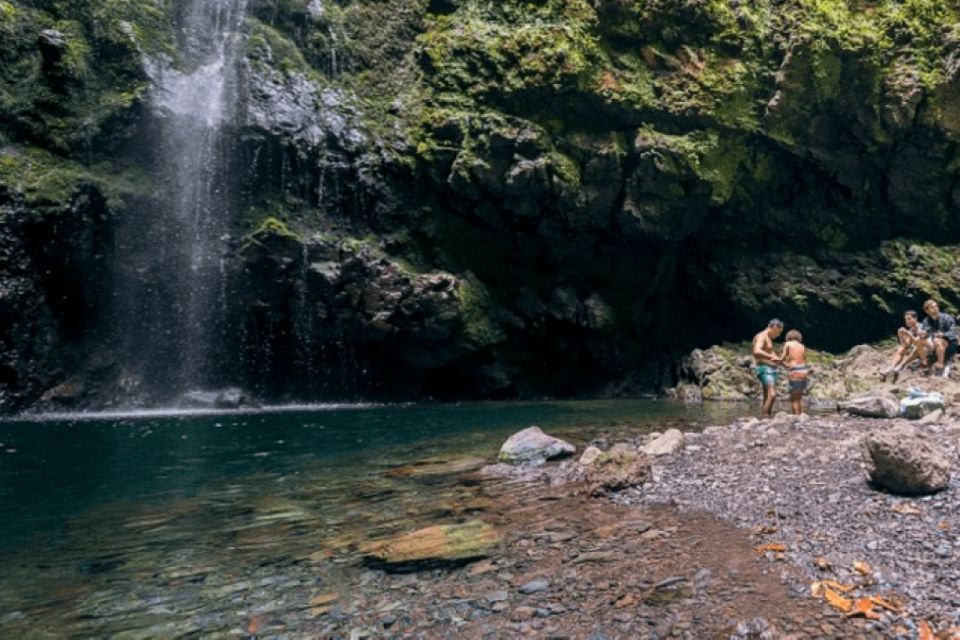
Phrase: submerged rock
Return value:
(532, 446)
(433, 545)
(903, 461)
(870, 407)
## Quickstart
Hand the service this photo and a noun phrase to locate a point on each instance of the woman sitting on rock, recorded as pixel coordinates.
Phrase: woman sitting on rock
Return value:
(914, 345)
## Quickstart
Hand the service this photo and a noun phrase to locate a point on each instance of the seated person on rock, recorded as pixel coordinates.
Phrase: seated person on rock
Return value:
(941, 329)
(914, 345)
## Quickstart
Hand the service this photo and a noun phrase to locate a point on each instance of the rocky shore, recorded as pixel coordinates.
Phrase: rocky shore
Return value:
(801, 487)
(777, 528)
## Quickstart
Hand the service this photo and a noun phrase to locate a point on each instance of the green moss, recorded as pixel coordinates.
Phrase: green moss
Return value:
(267, 45)
(565, 168)
(475, 311)
(42, 178)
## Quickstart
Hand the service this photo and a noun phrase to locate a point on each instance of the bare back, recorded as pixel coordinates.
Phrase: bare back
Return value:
(794, 354)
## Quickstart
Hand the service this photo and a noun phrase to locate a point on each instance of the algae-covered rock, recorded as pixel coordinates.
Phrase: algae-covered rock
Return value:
(433, 545)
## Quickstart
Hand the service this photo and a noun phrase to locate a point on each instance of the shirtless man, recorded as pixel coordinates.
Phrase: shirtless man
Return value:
(767, 361)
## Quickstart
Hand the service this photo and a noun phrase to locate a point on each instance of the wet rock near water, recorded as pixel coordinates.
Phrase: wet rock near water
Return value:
(802, 486)
(231, 398)
(903, 460)
(533, 447)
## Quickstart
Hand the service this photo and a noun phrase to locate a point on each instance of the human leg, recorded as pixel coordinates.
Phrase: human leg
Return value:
(940, 348)
(769, 396)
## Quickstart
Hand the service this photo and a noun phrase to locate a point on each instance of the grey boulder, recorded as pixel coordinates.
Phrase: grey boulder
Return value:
(903, 461)
(870, 407)
(532, 446)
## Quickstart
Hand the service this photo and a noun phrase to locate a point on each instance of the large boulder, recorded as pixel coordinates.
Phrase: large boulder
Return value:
(431, 546)
(619, 468)
(532, 447)
(870, 407)
(901, 460)
(670, 442)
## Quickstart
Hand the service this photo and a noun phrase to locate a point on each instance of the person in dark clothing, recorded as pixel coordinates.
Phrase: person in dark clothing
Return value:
(941, 328)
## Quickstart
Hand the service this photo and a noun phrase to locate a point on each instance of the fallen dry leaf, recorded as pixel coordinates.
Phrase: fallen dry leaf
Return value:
(889, 605)
(863, 608)
(943, 526)
(926, 633)
(906, 509)
(838, 601)
(862, 568)
(766, 529)
(775, 547)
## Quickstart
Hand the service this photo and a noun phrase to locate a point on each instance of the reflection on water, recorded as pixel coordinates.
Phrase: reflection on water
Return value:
(161, 526)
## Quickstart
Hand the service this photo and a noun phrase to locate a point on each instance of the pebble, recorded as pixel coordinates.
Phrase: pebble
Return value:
(534, 586)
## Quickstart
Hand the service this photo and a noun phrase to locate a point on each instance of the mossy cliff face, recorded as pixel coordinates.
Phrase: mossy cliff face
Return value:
(463, 198)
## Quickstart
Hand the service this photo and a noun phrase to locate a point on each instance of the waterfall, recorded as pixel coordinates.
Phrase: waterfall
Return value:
(175, 290)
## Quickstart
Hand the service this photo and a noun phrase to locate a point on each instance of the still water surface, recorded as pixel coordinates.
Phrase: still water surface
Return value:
(163, 524)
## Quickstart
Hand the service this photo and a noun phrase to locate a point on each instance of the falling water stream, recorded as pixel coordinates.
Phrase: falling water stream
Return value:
(173, 320)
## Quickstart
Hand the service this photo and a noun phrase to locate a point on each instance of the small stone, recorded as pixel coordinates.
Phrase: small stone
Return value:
(589, 455)
(534, 586)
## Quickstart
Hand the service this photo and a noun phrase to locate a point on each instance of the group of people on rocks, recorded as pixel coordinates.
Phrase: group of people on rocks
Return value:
(931, 342)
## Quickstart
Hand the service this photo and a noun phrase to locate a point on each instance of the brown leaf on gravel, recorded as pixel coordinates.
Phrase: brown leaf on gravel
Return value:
(863, 608)
(943, 526)
(837, 601)
(889, 605)
(862, 568)
(766, 529)
(925, 632)
(775, 547)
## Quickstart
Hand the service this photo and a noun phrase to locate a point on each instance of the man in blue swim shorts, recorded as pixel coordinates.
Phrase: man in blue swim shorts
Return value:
(767, 361)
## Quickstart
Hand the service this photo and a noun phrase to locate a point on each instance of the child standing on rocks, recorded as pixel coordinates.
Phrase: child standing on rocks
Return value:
(794, 359)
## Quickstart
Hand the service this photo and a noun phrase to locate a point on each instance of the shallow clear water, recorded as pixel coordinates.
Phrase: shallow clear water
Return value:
(141, 526)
